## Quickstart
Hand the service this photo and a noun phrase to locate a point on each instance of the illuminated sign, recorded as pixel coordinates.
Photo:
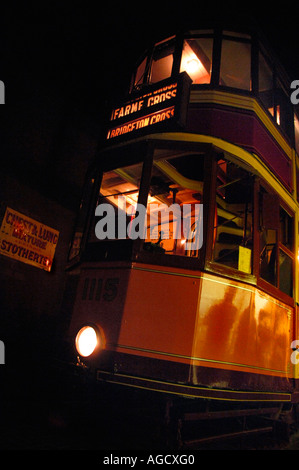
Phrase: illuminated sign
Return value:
(160, 104)
(24, 239)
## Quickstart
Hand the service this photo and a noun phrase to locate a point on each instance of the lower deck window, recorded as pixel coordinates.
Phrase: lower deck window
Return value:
(233, 220)
(116, 203)
(276, 242)
(174, 209)
(171, 221)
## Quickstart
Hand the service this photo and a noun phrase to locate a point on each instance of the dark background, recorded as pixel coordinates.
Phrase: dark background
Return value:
(82, 53)
(63, 64)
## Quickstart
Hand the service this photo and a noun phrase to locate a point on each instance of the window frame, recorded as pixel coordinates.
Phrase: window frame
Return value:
(210, 264)
(132, 250)
(180, 261)
(218, 35)
(263, 284)
(236, 39)
(255, 277)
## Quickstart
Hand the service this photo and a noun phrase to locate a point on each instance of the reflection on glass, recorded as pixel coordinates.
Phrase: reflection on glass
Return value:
(266, 84)
(140, 73)
(197, 59)
(173, 215)
(285, 273)
(162, 61)
(235, 66)
(119, 192)
(268, 261)
(234, 217)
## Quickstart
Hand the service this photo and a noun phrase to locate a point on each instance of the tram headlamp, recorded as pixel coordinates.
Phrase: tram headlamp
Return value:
(87, 340)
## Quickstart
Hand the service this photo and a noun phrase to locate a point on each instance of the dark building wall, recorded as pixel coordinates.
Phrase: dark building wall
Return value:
(45, 151)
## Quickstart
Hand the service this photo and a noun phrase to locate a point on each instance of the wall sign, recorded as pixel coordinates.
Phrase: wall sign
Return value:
(24, 239)
(160, 106)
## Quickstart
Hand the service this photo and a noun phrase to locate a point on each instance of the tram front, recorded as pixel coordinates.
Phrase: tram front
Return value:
(168, 244)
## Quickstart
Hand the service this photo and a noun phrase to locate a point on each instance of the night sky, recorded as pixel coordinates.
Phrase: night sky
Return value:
(64, 64)
(82, 53)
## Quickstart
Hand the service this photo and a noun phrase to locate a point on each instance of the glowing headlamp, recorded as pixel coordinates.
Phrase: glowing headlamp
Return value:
(87, 340)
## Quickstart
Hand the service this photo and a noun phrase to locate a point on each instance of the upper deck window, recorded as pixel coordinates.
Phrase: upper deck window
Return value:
(140, 73)
(274, 96)
(284, 112)
(266, 84)
(235, 67)
(197, 59)
(227, 59)
(162, 61)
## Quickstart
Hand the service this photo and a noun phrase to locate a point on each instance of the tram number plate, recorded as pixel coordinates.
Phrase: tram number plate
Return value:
(98, 289)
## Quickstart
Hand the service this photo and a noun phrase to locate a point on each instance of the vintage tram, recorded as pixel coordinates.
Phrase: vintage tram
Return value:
(200, 304)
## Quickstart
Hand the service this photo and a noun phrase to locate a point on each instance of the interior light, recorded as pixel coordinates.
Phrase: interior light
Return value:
(87, 340)
(192, 66)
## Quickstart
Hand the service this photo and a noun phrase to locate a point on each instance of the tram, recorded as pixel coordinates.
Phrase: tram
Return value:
(201, 304)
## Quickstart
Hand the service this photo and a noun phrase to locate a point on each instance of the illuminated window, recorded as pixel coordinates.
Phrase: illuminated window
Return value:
(235, 66)
(174, 214)
(162, 61)
(275, 98)
(233, 225)
(197, 59)
(266, 84)
(119, 196)
(284, 112)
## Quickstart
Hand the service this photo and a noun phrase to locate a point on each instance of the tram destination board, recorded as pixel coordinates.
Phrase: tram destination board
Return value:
(158, 107)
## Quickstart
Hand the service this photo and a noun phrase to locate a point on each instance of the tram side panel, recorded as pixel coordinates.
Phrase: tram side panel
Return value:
(158, 324)
(204, 331)
(184, 328)
(245, 337)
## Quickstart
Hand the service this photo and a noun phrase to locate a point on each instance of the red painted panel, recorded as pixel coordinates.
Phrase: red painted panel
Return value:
(242, 328)
(159, 315)
(245, 130)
